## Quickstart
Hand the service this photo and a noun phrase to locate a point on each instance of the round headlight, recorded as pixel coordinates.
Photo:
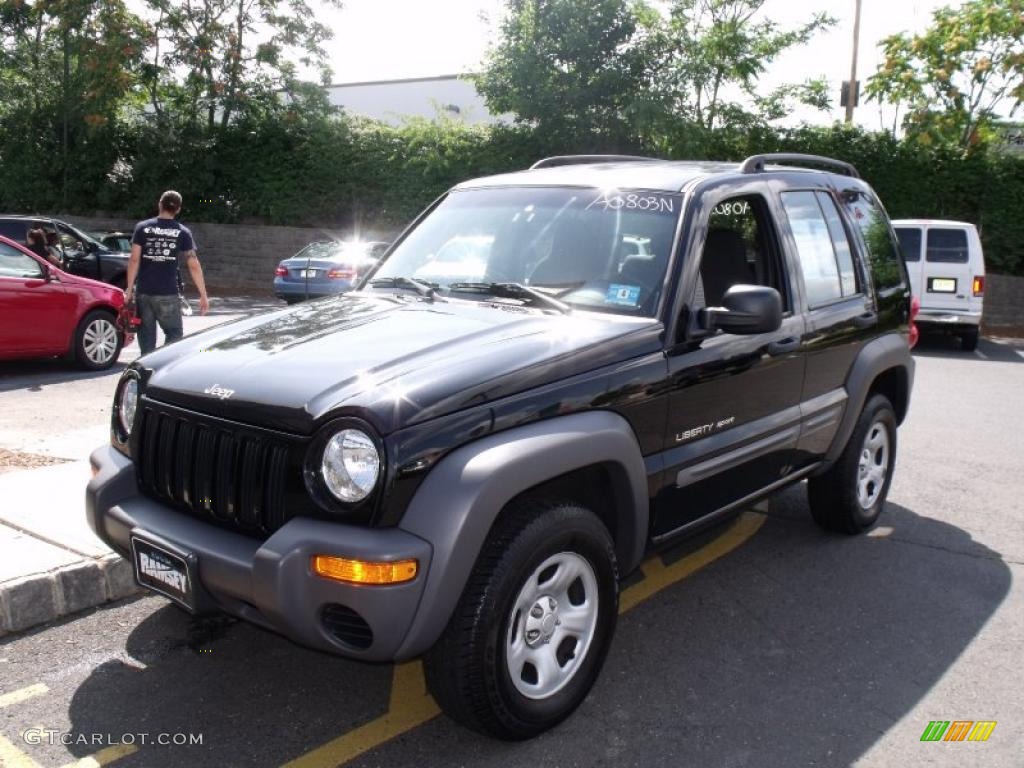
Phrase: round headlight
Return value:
(350, 465)
(126, 408)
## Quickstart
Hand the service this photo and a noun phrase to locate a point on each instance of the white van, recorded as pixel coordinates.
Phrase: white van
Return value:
(947, 274)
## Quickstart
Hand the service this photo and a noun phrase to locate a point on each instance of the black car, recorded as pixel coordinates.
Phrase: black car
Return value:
(79, 253)
(464, 462)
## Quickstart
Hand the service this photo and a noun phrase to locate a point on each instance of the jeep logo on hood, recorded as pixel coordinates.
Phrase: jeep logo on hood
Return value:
(218, 391)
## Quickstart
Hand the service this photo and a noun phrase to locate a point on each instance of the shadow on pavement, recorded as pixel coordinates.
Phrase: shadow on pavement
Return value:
(799, 648)
(32, 375)
(942, 346)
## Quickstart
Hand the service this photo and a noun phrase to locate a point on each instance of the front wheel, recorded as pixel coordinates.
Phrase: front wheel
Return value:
(97, 341)
(533, 626)
(849, 497)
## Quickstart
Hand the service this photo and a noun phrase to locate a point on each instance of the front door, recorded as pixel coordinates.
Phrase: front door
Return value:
(34, 312)
(734, 416)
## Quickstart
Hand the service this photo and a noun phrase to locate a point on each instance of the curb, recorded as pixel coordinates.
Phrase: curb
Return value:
(28, 601)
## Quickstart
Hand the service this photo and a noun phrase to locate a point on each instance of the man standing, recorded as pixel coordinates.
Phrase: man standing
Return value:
(157, 245)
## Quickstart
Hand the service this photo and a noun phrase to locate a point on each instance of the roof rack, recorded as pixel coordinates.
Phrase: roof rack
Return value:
(552, 162)
(756, 163)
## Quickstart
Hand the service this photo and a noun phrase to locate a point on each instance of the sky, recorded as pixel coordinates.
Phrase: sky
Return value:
(390, 39)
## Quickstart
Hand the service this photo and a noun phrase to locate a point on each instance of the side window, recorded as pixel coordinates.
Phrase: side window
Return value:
(840, 242)
(14, 263)
(741, 249)
(15, 230)
(815, 249)
(910, 242)
(886, 266)
(948, 246)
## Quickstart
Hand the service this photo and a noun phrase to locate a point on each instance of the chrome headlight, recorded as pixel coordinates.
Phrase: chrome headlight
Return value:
(129, 401)
(350, 465)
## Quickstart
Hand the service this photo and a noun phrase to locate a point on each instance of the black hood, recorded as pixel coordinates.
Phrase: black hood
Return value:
(393, 361)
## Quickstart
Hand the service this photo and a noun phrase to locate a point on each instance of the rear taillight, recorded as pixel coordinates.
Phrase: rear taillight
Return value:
(979, 285)
(342, 273)
(281, 271)
(915, 307)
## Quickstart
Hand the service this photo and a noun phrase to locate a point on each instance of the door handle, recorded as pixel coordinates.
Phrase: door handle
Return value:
(866, 320)
(783, 346)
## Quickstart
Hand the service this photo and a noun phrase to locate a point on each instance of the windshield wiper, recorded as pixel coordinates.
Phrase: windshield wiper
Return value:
(515, 291)
(422, 287)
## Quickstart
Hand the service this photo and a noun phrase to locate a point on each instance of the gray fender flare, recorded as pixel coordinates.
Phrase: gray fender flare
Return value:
(458, 502)
(878, 355)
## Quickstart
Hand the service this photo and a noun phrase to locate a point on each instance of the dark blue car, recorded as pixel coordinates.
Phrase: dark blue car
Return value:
(325, 268)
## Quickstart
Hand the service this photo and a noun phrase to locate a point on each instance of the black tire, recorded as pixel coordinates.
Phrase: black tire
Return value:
(88, 351)
(467, 670)
(836, 502)
(969, 341)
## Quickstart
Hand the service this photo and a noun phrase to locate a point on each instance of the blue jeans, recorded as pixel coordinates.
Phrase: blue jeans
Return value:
(165, 310)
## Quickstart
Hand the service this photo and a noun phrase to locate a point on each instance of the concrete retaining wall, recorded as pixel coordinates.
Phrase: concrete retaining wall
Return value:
(236, 258)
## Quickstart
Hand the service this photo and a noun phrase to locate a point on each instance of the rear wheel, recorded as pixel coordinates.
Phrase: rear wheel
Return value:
(533, 626)
(849, 497)
(97, 341)
(969, 340)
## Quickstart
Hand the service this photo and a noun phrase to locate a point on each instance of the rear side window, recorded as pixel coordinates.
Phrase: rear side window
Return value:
(826, 260)
(15, 230)
(910, 242)
(948, 246)
(886, 266)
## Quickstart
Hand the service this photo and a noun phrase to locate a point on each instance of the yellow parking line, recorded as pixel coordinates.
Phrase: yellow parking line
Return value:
(12, 757)
(410, 704)
(104, 756)
(657, 575)
(16, 697)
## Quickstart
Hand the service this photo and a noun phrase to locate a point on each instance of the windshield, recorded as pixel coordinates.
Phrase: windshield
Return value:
(604, 250)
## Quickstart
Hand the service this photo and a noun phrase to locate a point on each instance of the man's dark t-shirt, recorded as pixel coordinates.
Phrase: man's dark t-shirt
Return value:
(161, 240)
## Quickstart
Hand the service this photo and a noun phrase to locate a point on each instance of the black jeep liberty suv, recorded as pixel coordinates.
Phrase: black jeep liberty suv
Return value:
(551, 373)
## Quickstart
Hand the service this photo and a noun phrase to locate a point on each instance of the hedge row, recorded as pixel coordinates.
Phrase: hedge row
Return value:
(343, 172)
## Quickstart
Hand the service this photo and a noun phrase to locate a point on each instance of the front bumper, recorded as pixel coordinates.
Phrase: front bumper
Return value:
(269, 583)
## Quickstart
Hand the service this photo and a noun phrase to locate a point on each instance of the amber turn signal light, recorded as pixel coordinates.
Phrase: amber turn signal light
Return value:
(363, 572)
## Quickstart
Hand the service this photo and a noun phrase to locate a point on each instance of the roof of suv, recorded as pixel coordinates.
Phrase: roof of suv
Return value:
(642, 173)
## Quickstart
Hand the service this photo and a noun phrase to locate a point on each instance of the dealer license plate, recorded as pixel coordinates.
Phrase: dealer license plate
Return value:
(163, 571)
(942, 285)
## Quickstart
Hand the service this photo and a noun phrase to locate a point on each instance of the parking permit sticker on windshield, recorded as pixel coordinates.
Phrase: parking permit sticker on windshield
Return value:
(623, 295)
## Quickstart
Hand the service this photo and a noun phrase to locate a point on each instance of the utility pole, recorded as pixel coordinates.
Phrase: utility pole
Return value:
(851, 94)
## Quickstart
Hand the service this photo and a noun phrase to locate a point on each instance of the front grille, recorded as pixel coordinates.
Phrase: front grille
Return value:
(234, 475)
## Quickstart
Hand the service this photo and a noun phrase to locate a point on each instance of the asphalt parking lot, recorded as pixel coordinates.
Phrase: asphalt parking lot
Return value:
(765, 642)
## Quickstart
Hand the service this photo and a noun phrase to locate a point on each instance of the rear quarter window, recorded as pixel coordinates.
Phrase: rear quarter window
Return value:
(948, 246)
(887, 270)
(15, 230)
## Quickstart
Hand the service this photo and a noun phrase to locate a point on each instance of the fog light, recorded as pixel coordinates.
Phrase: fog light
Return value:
(363, 572)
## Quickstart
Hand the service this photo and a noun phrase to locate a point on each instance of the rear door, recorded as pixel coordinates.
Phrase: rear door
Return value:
(911, 240)
(946, 275)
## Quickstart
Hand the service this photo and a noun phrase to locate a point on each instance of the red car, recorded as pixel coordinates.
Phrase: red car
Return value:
(45, 312)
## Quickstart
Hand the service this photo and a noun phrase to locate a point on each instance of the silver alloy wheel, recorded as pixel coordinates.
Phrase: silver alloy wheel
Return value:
(99, 342)
(552, 625)
(873, 465)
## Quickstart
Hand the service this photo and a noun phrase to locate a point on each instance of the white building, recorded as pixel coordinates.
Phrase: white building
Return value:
(392, 100)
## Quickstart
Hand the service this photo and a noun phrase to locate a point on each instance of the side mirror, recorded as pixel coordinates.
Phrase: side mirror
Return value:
(746, 309)
(89, 247)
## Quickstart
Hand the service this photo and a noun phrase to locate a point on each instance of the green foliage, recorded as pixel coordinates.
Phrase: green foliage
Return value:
(709, 49)
(575, 69)
(956, 75)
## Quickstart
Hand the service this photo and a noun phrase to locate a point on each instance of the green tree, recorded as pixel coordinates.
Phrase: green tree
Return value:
(956, 76)
(211, 60)
(713, 54)
(575, 69)
(66, 71)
